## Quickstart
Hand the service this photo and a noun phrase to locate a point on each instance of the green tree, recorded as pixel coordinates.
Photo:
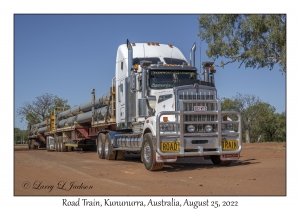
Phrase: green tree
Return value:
(259, 120)
(17, 135)
(266, 112)
(256, 40)
(247, 106)
(274, 128)
(20, 136)
(41, 108)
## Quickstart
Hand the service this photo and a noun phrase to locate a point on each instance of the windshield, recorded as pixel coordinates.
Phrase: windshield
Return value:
(160, 79)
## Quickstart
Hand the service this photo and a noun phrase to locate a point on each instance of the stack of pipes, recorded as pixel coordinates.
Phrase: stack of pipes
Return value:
(80, 114)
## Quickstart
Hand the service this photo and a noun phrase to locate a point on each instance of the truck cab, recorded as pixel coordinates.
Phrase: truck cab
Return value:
(165, 110)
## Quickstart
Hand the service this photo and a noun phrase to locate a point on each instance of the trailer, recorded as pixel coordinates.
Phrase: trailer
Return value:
(158, 106)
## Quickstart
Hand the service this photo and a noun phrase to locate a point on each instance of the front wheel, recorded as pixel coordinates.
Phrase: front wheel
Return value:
(217, 161)
(148, 154)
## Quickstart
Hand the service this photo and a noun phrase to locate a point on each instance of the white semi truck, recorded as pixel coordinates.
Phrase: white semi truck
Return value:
(158, 106)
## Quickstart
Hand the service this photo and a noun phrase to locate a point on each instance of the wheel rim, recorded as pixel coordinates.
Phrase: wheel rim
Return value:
(147, 152)
(106, 146)
(100, 147)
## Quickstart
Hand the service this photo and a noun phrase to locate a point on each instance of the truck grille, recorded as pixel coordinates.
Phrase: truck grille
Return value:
(190, 100)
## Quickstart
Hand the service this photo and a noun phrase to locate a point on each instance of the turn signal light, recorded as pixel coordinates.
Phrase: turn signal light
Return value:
(165, 119)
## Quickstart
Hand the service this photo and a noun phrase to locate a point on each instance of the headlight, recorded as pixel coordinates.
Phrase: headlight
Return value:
(167, 127)
(208, 128)
(191, 128)
(171, 127)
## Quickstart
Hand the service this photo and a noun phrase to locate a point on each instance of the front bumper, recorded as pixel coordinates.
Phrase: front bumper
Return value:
(198, 144)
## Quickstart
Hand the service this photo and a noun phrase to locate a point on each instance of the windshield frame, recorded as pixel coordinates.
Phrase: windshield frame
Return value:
(168, 83)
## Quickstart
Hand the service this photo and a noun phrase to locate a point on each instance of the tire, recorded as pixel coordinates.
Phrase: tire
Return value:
(215, 159)
(62, 145)
(56, 143)
(29, 144)
(100, 145)
(59, 143)
(148, 154)
(32, 145)
(69, 149)
(108, 148)
(48, 145)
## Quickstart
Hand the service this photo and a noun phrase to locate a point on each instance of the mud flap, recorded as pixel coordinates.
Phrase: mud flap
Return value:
(230, 156)
(165, 159)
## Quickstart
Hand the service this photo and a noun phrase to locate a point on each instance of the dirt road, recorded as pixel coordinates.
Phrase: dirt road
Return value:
(261, 170)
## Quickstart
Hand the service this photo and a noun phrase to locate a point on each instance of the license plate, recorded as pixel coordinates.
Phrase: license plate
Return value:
(230, 145)
(200, 108)
(169, 146)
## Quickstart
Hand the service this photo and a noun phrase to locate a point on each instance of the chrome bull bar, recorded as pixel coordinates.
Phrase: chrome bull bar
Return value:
(181, 133)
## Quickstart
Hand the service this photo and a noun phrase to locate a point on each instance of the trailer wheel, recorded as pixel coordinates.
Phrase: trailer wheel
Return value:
(100, 145)
(48, 145)
(148, 154)
(217, 161)
(32, 145)
(59, 144)
(62, 145)
(108, 148)
(29, 144)
(56, 143)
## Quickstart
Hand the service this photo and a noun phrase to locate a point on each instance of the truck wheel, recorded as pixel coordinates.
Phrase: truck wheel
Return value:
(69, 149)
(48, 145)
(56, 143)
(32, 145)
(62, 145)
(108, 149)
(100, 145)
(59, 144)
(217, 161)
(148, 154)
(29, 144)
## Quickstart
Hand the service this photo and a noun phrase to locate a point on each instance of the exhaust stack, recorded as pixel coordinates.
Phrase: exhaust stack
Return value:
(206, 66)
(130, 55)
(192, 55)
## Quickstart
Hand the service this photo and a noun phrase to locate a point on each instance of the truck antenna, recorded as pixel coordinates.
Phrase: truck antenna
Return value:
(144, 52)
(172, 54)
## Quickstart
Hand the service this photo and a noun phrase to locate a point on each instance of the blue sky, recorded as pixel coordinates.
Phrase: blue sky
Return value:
(68, 55)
